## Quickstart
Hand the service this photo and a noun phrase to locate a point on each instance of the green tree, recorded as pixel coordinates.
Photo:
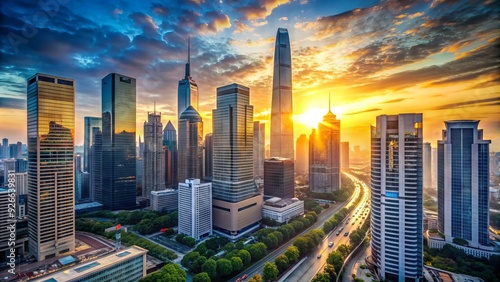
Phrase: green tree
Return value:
(282, 263)
(224, 267)
(330, 270)
(317, 209)
(189, 241)
(197, 264)
(245, 256)
(270, 271)
(297, 225)
(321, 277)
(344, 250)
(354, 238)
(302, 244)
(257, 251)
(285, 232)
(327, 227)
(210, 267)
(179, 237)
(293, 254)
(279, 236)
(201, 277)
(237, 264)
(170, 272)
(189, 259)
(256, 278)
(335, 259)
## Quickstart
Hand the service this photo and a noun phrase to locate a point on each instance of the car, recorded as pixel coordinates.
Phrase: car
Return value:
(330, 244)
(238, 280)
(319, 256)
(347, 233)
(244, 277)
(353, 223)
(338, 232)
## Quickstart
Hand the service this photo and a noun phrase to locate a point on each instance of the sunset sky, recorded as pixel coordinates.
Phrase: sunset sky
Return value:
(436, 57)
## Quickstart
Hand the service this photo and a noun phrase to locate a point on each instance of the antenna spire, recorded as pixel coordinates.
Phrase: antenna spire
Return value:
(188, 71)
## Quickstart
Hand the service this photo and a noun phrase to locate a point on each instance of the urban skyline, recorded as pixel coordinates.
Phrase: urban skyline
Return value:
(421, 67)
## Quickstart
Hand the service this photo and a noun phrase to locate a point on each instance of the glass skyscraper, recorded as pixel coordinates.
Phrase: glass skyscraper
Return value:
(89, 124)
(118, 142)
(170, 145)
(190, 160)
(282, 107)
(153, 178)
(51, 122)
(396, 197)
(187, 93)
(463, 183)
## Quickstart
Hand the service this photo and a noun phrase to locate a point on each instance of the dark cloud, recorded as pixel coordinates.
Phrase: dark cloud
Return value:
(12, 103)
(254, 10)
(145, 22)
(362, 112)
(483, 102)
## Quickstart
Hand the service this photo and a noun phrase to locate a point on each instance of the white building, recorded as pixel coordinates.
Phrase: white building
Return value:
(282, 210)
(165, 200)
(195, 208)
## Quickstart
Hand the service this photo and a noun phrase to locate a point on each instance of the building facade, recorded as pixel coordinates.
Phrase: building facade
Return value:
(396, 197)
(190, 158)
(282, 104)
(427, 165)
(118, 142)
(96, 166)
(344, 155)
(51, 124)
(279, 178)
(463, 183)
(195, 208)
(153, 178)
(187, 92)
(91, 125)
(170, 146)
(259, 150)
(302, 155)
(209, 157)
(282, 210)
(165, 200)
(236, 205)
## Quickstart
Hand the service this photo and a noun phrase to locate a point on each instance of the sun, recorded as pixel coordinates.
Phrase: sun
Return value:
(310, 118)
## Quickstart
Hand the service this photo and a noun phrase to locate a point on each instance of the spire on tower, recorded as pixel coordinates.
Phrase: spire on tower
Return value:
(188, 70)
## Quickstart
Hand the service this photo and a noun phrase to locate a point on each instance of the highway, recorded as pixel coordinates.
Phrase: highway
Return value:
(324, 216)
(312, 265)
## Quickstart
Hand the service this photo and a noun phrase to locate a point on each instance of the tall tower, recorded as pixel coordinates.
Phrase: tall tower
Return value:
(5, 148)
(96, 166)
(118, 142)
(302, 154)
(153, 177)
(187, 94)
(170, 145)
(89, 124)
(324, 155)
(282, 106)
(396, 193)
(427, 164)
(51, 123)
(190, 160)
(463, 183)
(236, 205)
(209, 156)
(259, 150)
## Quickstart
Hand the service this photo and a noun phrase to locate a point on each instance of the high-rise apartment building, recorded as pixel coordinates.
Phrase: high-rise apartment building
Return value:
(153, 178)
(187, 92)
(190, 158)
(195, 208)
(90, 125)
(396, 197)
(427, 164)
(463, 183)
(344, 155)
(279, 178)
(259, 150)
(209, 156)
(302, 154)
(282, 106)
(118, 142)
(170, 144)
(324, 155)
(236, 206)
(51, 205)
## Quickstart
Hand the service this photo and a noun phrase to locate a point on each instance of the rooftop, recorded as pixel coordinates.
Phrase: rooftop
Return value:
(87, 205)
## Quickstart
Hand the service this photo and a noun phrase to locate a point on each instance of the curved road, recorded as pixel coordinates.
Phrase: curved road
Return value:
(324, 216)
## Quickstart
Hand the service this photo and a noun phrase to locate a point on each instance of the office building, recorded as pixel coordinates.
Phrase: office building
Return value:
(324, 155)
(5, 148)
(463, 183)
(51, 125)
(282, 210)
(282, 105)
(195, 208)
(8, 165)
(21, 193)
(427, 165)
(302, 155)
(91, 126)
(96, 167)
(21, 165)
(396, 197)
(209, 156)
(128, 265)
(171, 159)
(279, 178)
(140, 148)
(165, 200)
(236, 206)
(13, 151)
(153, 178)
(344, 155)
(139, 171)
(259, 143)
(78, 177)
(190, 150)
(118, 142)
(187, 93)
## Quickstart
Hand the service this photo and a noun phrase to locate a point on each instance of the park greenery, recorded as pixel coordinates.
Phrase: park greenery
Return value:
(154, 250)
(170, 272)
(185, 240)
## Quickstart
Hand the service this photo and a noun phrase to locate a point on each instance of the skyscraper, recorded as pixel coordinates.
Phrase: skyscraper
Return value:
(190, 160)
(236, 206)
(51, 122)
(302, 154)
(187, 93)
(170, 144)
(427, 165)
(279, 178)
(282, 106)
(13, 151)
(209, 156)
(78, 177)
(195, 208)
(396, 197)
(96, 166)
(19, 150)
(344, 155)
(259, 142)
(118, 142)
(153, 178)
(324, 155)
(463, 183)
(89, 124)
(5, 148)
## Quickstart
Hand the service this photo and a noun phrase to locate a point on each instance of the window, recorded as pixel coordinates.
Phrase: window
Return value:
(65, 82)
